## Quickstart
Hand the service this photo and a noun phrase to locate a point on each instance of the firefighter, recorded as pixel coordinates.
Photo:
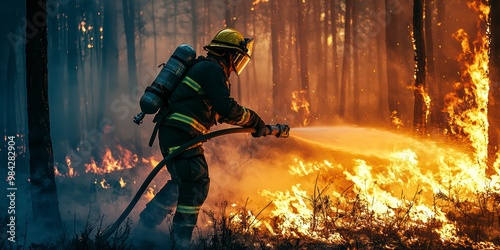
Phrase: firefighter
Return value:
(201, 100)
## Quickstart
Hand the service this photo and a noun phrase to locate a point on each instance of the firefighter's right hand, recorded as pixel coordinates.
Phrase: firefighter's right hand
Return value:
(261, 130)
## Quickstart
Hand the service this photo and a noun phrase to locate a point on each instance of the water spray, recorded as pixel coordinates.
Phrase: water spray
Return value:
(278, 130)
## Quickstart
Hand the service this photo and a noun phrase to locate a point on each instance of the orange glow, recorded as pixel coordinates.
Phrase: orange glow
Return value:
(299, 102)
(421, 180)
(468, 110)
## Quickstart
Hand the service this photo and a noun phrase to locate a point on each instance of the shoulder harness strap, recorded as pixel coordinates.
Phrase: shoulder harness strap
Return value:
(162, 114)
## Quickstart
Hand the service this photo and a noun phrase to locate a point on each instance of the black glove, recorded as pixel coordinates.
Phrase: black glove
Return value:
(260, 130)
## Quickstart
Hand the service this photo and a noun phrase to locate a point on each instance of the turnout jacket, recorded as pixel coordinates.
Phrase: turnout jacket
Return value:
(201, 100)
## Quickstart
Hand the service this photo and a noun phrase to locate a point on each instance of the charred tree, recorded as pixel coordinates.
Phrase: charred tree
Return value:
(45, 205)
(109, 72)
(245, 9)
(129, 23)
(288, 65)
(346, 69)
(73, 111)
(302, 42)
(153, 21)
(382, 89)
(10, 47)
(494, 94)
(335, 66)
(320, 61)
(440, 60)
(228, 17)
(325, 80)
(277, 81)
(194, 24)
(420, 106)
(393, 50)
(435, 108)
(355, 56)
(58, 86)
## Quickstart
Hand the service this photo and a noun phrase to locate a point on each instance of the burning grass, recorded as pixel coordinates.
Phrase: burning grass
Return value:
(335, 192)
(316, 219)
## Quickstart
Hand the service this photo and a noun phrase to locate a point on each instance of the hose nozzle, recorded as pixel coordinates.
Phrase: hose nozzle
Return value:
(279, 130)
(138, 118)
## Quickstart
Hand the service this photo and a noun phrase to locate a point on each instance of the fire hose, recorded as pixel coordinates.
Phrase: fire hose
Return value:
(278, 130)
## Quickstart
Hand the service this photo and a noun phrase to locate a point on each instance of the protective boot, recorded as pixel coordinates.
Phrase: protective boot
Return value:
(146, 235)
(160, 206)
(182, 236)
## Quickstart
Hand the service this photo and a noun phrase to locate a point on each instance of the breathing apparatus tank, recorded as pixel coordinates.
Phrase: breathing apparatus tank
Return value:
(156, 95)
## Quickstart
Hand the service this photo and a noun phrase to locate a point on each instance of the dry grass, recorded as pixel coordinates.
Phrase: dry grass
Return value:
(343, 222)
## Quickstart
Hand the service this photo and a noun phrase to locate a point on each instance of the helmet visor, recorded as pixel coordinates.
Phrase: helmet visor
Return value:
(240, 62)
(242, 59)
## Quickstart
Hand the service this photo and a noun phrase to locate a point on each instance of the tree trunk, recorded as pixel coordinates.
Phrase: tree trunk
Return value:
(58, 86)
(9, 77)
(176, 8)
(355, 54)
(346, 69)
(286, 53)
(45, 205)
(194, 23)
(109, 75)
(275, 46)
(335, 66)
(382, 89)
(73, 112)
(322, 89)
(440, 63)
(153, 21)
(392, 44)
(246, 8)
(435, 112)
(494, 95)
(420, 108)
(303, 38)
(129, 23)
(325, 58)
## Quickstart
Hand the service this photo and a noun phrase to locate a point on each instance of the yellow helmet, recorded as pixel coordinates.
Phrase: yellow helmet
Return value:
(231, 39)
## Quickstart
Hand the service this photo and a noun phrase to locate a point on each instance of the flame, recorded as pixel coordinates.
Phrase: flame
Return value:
(71, 172)
(381, 192)
(151, 160)
(299, 102)
(104, 184)
(122, 183)
(149, 194)
(125, 160)
(467, 107)
(302, 168)
(395, 120)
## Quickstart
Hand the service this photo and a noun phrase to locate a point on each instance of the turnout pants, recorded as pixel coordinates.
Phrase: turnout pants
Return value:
(184, 193)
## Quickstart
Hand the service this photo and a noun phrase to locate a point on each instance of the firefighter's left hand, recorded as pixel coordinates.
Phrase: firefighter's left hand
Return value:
(261, 130)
